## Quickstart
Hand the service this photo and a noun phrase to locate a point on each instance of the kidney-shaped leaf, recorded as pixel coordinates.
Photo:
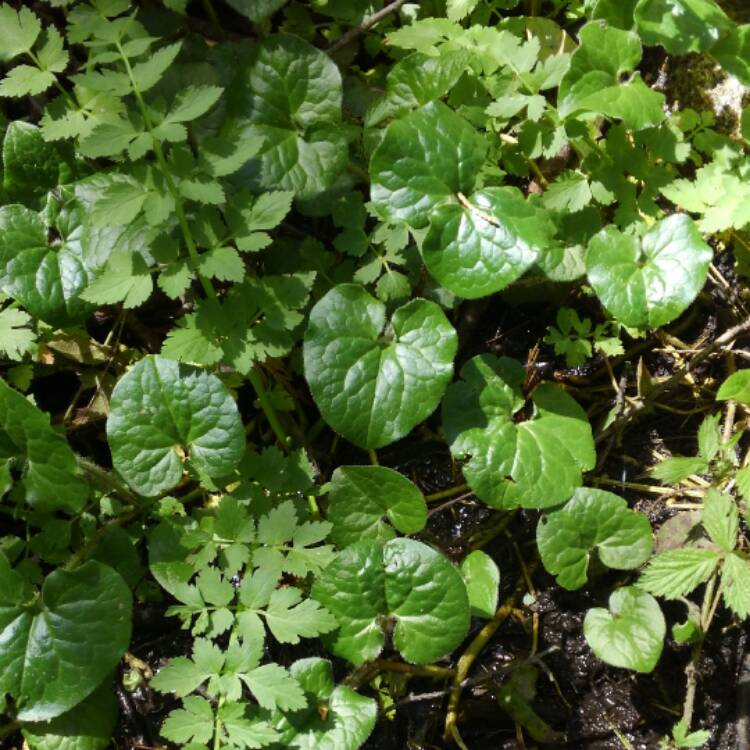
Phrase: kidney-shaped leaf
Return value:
(361, 496)
(290, 96)
(594, 82)
(373, 383)
(681, 26)
(532, 463)
(484, 243)
(59, 646)
(424, 159)
(630, 634)
(403, 579)
(592, 520)
(345, 723)
(163, 412)
(45, 462)
(648, 282)
(46, 279)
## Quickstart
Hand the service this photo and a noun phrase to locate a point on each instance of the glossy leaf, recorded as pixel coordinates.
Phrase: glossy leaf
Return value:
(482, 579)
(592, 521)
(373, 382)
(425, 159)
(47, 466)
(647, 282)
(418, 79)
(60, 646)
(595, 80)
(630, 634)
(681, 26)
(289, 94)
(510, 462)
(736, 388)
(361, 497)
(163, 414)
(403, 579)
(335, 718)
(486, 242)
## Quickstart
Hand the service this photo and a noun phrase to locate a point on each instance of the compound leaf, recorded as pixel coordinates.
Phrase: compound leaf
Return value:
(374, 383)
(677, 572)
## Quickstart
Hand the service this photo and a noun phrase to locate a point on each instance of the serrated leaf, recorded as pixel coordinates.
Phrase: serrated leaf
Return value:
(180, 676)
(25, 80)
(370, 386)
(273, 687)
(222, 263)
(482, 578)
(193, 102)
(721, 519)
(592, 520)
(630, 634)
(404, 579)
(47, 466)
(569, 192)
(148, 73)
(16, 338)
(163, 413)
(648, 282)
(126, 278)
(256, 10)
(290, 95)
(709, 437)
(674, 470)
(536, 462)
(58, 650)
(18, 31)
(120, 200)
(425, 159)
(418, 79)
(677, 572)
(735, 388)
(486, 242)
(243, 732)
(681, 26)
(362, 496)
(194, 722)
(290, 617)
(735, 584)
(458, 9)
(594, 82)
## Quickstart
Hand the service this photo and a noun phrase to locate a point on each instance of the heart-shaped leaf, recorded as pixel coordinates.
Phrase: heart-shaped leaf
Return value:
(592, 520)
(59, 646)
(361, 496)
(647, 282)
(532, 463)
(373, 383)
(403, 579)
(630, 634)
(424, 159)
(163, 413)
(335, 718)
(290, 95)
(594, 82)
(484, 243)
(482, 579)
(45, 278)
(681, 26)
(47, 465)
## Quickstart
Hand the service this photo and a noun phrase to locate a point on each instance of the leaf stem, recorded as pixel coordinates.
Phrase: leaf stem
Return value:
(443, 494)
(367, 24)
(267, 406)
(108, 482)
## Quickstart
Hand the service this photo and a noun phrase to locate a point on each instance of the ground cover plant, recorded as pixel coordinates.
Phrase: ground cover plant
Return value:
(373, 374)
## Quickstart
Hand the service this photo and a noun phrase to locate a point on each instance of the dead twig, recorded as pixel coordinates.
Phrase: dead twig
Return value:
(367, 24)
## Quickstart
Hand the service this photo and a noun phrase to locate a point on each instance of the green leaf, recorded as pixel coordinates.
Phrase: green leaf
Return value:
(373, 383)
(86, 726)
(733, 52)
(193, 722)
(361, 496)
(674, 470)
(335, 717)
(290, 95)
(47, 466)
(404, 579)
(683, 738)
(120, 200)
(193, 102)
(425, 159)
(256, 10)
(418, 79)
(569, 192)
(536, 462)
(60, 646)
(290, 617)
(647, 282)
(630, 634)
(677, 572)
(25, 80)
(273, 687)
(482, 579)
(148, 73)
(162, 414)
(735, 584)
(486, 242)
(242, 732)
(595, 80)
(721, 519)
(31, 166)
(458, 9)
(709, 437)
(18, 31)
(126, 278)
(592, 520)
(681, 26)
(16, 339)
(736, 388)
